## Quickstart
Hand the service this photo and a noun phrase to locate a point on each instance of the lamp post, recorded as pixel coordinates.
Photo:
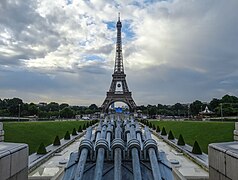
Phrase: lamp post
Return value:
(188, 110)
(19, 113)
(221, 113)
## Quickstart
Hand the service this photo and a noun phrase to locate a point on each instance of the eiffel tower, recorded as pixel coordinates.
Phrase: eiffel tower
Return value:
(118, 90)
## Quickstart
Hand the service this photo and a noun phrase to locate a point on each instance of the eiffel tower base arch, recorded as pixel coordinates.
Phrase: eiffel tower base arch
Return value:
(125, 98)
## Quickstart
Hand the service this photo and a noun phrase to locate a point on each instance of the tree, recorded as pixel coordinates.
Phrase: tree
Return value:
(93, 107)
(88, 111)
(196, 148)
(41, 149)
(195, 107)
(32, 109)
(53, 106)
(57, 141)
(74, 133)
(152, 111)
(157, 129)
(67, 136)
(13, 106)
(181, 141)
(67, 112)
(80, 129)
(163, 132)
(170, 136)
(214, 103)
(63, 105)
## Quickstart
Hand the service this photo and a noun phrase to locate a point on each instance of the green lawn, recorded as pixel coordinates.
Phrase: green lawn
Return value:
(204, 132)
(33, 133)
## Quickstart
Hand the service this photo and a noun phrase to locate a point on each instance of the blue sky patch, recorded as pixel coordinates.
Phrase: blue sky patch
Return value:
(68, 2)
(126, 28)
(93, 58)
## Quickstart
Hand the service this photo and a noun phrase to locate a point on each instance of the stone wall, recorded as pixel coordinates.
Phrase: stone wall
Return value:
(236, 132)
(223, 161)
(13, 159)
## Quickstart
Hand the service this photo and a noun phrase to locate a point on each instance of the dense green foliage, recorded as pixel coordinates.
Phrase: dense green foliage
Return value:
(41, 149)
(74, 133)
(12, 107)
(181, 141)
(57, 141)
(163, 132)
(229, 106)
(204, 132)
(157, 129)
(170, 136)
(32, 133)
(67, 135)
(80, 129)
(196, 148)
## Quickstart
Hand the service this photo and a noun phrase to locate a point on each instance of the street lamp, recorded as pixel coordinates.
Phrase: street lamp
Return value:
(221, 113)
(188, 110)
(19, 111)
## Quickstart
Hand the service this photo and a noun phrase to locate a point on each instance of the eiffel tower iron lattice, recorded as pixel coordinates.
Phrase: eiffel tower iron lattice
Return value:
(119, 91)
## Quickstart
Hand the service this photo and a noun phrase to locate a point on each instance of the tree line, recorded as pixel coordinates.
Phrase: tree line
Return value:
(15, 107)
(226, 106)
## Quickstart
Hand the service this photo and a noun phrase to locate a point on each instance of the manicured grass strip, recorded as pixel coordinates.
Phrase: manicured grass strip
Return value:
(34, 133)
(204, 132)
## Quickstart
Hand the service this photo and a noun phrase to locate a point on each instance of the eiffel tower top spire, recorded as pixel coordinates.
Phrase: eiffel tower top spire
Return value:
(119, 59)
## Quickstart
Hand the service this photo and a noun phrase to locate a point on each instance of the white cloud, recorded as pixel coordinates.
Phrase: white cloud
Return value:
(188, 47)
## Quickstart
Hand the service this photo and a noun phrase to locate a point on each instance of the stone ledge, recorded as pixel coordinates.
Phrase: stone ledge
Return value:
(1, 138)
(1, 126)
(236, 125)
(13, 159)
(1, 132)
(235, 138)
(223, 158)
(235, 132)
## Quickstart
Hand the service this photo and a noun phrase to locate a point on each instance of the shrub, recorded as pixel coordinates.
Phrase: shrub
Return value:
(157, 129)
(150, 125)
(146, 123)
(153, 126)
(84, 126)
(196, 148)
(74, 133)
(56, 141)
(181, 141)
(41, 149)
(80, 129)
(163, 132)
(170, 136)
(67, 136)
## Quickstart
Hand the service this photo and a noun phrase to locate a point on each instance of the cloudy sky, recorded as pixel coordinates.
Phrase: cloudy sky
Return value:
(64, 50)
